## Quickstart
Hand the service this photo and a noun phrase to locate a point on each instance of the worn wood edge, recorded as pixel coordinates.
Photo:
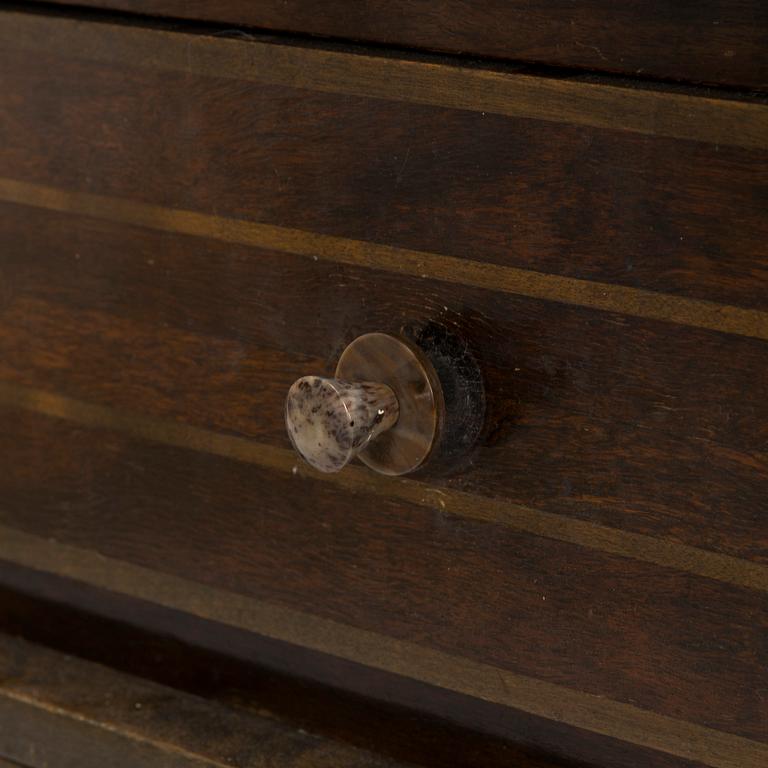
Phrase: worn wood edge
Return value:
(615, 541)
(587, 60)
(590, 712)
(47, 693)
(21, 714)
(607, 297)
(649, 112)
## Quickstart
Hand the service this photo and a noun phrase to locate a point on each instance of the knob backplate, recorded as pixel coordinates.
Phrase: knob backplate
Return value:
(396, 362)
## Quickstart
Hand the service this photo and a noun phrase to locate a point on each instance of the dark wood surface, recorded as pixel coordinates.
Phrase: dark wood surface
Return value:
(340, 556)
(376, 710)
(718, 41)
(644, 189)
(266, 677)
(641, 426)
(63, 711)
(187, 229)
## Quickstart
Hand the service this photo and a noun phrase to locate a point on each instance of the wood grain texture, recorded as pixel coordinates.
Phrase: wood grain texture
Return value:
(339, 557)
(377, 711)
(190, 223)
(538, 190)
(656, 112)
(582, 533)
(419, 264)
(141, 648)
(459, 674)
(628, 425)
(63, 711)
(711, 41)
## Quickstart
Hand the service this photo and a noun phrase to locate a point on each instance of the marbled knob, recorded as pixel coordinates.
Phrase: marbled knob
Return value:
(331, 421)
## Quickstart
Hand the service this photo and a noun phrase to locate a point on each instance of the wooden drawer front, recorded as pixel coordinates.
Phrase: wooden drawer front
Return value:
(190, 223)
(715, 41)
(60, 710)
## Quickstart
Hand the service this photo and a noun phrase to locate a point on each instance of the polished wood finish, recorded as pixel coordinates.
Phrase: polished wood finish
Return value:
(597, 714)
(542, 170)
(63, 711)
(558, 590)
(715, 41)
(651, 427)
(592, 579)
(629, 301)
(245, 671)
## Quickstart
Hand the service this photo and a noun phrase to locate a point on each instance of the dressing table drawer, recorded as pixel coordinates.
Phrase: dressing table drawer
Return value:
(190, 222)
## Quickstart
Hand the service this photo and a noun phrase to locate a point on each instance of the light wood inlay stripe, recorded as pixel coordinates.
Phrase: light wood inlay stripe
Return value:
(61, 711)
(666, 553)
(465, 676)
(418, 264)
(656, 113)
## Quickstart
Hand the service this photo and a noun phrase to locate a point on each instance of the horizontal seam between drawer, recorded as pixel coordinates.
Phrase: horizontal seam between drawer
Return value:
(461, 675)
(646, 112)
(615, 541)
(607, 297)
(291, 35)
